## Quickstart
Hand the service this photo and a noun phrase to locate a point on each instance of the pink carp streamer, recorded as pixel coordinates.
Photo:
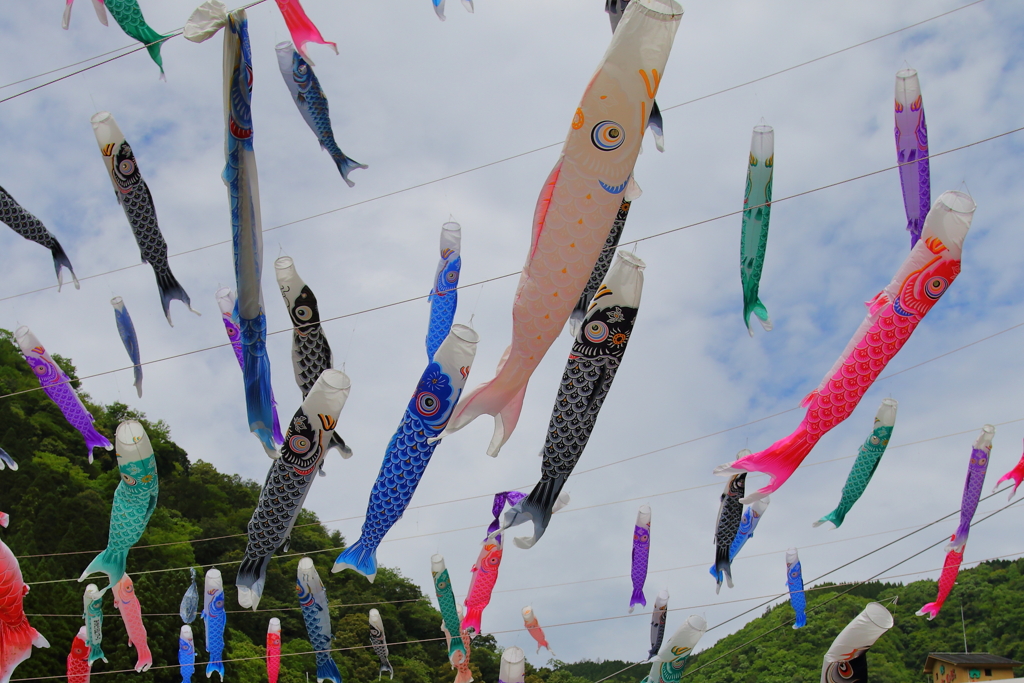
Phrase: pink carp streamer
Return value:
(273, 650)
(892, 317)
(302, 28)
(577, 206)
(950, 569)
(1016, 475)
(127, 603)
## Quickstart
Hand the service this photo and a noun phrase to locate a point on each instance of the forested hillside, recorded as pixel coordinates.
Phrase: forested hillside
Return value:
(59, 506)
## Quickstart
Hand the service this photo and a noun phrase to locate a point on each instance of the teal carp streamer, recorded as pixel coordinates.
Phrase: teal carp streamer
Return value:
(756, 211)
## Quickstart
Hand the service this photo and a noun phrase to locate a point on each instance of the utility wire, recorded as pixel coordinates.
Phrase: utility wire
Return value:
(601, 619)
(508, 275)
(482, 166)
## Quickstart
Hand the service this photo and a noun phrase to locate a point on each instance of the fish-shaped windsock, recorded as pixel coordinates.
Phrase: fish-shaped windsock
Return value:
(215, 617)
(658, 618)
(912, 152)
(92, 601)
(641, 553)
(615, 10)
(604, 260)
(730, 515)
(17, 637)
(947, 579)
(57, 386)
(312, 103)
(533, 627)
(864, 466)
(31, 228)
(593, 361)
(190, 600)
(892, 317)
(380, 644)
(410, 449)
(976, 469)
(757, 207)
(1016, 475)
(240, 177)
(577, 206)
(127, 603)
(795, 583)
(460, 662)
(668, 665)
(273, 650)
(126, 330)
(288, 481)
(311, 354)
(301, 27)
(128, 16)
(846, 661)
(444, 295)
(449, 612)
(513, 666)
(229, 316)
(751, 516)
(186, 654)
(134, 500)
(481, 583)
(313, 602)
(133, 195)
(78, 666)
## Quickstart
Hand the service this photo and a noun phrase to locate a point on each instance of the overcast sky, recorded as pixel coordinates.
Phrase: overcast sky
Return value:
(417, 100)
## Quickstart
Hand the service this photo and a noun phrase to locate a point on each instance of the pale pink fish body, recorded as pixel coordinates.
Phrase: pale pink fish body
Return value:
(892, 317)
(79, 667)
(533, 626)
(127, 603)
(301, 27)
(273, 650)
(16, 635)
(1016, 474)
(101, 12)
(576, 208)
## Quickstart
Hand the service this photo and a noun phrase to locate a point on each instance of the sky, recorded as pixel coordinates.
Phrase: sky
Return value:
(449, 117)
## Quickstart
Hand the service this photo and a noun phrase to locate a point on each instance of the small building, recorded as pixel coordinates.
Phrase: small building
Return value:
(963, 667)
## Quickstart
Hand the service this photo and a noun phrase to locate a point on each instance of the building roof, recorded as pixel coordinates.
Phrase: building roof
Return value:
(968, 659)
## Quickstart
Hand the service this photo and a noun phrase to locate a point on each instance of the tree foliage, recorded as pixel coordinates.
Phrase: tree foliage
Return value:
(59, 506)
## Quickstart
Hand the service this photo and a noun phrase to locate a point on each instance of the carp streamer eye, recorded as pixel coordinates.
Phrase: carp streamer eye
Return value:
(427, 404)
(935, 287)
(303, 312)
(596, 332)
(452, 277)
(607, 136)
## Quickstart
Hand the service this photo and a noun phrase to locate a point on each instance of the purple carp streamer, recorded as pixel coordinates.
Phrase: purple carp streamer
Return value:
(31, 228)
(134, 197)
(57, 386)
(912, 152)
(976, 470)
(641, 553)
(229, 315)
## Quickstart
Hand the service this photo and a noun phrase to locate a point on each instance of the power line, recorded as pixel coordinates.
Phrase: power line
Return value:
(786, 622)
(507, 275)
(482, 166)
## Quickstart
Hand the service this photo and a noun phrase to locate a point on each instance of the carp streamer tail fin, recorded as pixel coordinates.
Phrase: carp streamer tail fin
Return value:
(576, 317)
(657, 126)
(259, 396)
(836, 517)
(359, 558)
(346, 166)
(215, 666)
(61, 260)
(170, 289)
(110, 562)
(722, 568)
(931, 610)
(914, 227)
(386, 668)
(252, 575)
(326, 669)
(339, 444)
(537, 507)
(94, 439)
(464, 675)
(759, 310)
(637, 598)
(778, 461)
